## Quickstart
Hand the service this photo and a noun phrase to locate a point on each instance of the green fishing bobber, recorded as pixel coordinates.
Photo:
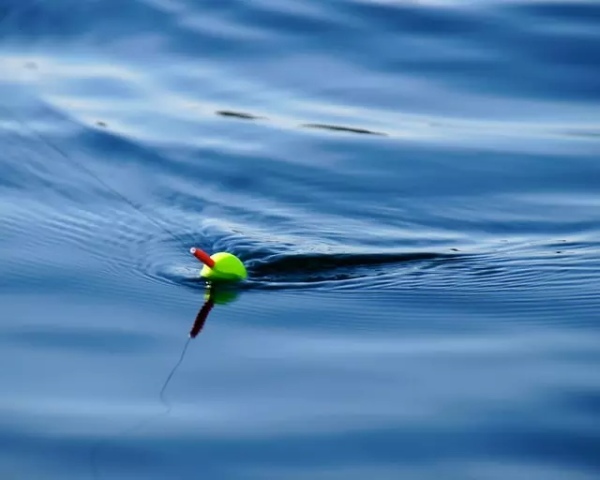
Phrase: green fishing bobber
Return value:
(221, 266)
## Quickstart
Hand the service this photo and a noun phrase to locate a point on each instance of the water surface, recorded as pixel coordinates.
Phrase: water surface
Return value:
(415, 189)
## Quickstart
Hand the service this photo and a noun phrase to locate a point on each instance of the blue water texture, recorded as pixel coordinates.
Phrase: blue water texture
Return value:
(414, 187)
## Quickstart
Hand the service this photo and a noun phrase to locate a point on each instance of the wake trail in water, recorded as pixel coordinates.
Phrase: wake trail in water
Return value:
(314, 270)
(281, 271)
(321, 262)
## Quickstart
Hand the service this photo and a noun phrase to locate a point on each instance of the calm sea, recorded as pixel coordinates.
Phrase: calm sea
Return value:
(413, 185)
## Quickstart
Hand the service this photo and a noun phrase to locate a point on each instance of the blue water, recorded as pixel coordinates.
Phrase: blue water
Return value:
(413, 185)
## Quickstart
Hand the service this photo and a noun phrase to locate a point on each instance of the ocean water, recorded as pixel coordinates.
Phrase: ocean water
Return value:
(413, 185)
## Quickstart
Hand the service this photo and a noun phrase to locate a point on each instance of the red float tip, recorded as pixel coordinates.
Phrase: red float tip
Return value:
(203, 257)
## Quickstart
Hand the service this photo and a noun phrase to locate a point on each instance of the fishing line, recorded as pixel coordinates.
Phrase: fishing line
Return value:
(10, 113)
(62, 153)
(173, 370)
(94, 454)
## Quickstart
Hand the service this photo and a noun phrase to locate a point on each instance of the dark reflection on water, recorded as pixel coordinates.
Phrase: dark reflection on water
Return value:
(413, 186)
(339, 128)
(215, 295)
(320, 126)
(240, 115)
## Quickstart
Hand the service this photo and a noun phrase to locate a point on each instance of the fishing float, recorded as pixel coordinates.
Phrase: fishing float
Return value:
(220, 266)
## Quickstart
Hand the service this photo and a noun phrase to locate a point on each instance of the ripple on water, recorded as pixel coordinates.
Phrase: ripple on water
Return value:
(381, 299)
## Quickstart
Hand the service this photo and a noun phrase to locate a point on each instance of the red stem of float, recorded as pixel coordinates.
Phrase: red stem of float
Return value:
(203, 257)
